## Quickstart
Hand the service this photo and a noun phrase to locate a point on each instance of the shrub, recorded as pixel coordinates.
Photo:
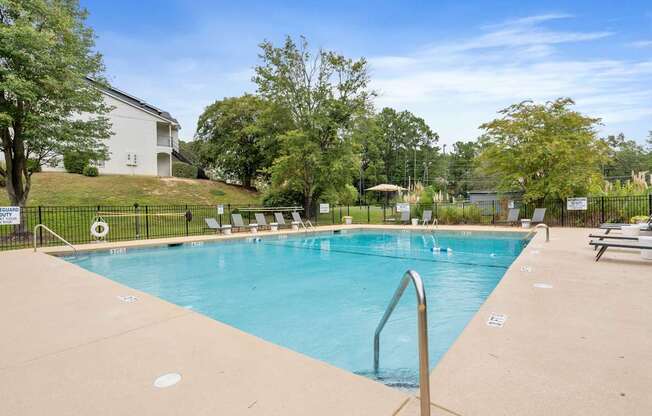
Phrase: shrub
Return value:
(348, 195)
(184, 170)
(639, 219)
(75, 161)
(282, 198)
(90, 171)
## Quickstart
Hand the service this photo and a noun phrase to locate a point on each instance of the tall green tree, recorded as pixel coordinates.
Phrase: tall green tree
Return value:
(461, 168)
(238, 137)
(408, 145)
(46, 56)
(626, 156)
(324, 94)
(397, 147)
(543, 150)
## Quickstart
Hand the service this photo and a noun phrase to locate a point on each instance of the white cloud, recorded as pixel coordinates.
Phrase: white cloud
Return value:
(642, 44)
(457, 85)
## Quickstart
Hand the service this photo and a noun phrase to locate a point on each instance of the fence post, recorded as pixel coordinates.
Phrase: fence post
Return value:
(368, 215)
(561, 202)
(40, 229)
(493, 212)
(146, 222)
(602, 211)
(333, 216)
(384, 218)
(137, 220)
(187, 222)
(649, 204)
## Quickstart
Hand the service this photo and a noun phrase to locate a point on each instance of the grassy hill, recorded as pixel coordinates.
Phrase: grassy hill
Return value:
(54, 188)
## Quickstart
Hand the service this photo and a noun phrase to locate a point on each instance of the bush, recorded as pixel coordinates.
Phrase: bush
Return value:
(282, 198)
(75, 161)
(639, 219)
(90, 171)
(184, 170)
(348, 195)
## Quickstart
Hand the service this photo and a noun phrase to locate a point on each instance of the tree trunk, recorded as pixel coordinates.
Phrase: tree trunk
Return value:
(307, 204)
(17, 178)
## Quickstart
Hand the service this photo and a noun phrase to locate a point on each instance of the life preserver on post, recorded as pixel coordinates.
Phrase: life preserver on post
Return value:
(99, 229)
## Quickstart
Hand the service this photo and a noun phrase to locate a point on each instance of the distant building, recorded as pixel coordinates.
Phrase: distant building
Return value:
(144, 139)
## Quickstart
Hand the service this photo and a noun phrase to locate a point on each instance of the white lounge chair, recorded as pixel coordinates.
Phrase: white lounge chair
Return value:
(236, 222)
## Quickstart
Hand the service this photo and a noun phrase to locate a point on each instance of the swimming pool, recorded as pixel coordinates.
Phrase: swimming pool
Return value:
(323, 294)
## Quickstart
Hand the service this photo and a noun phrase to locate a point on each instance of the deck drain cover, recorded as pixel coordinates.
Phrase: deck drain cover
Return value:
(542, 286)
(496, 320)
(526, 269)
(167, 380)
(128, 298)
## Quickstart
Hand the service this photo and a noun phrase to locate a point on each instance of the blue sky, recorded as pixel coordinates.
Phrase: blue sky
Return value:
(454, 63)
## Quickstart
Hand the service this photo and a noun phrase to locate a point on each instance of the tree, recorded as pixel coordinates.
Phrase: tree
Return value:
(324, 94)
(396, 147)
(238, 136)
(461, 168)
(543, 150)
(46, 56)
(408, 145)
(626, 156)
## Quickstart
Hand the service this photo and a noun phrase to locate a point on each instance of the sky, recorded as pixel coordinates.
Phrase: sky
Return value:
(453, 63)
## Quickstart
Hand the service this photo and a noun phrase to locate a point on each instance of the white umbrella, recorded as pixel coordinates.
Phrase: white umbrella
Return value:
(386, 187)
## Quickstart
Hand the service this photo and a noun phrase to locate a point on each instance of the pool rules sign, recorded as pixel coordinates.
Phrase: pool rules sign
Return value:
(9, 215)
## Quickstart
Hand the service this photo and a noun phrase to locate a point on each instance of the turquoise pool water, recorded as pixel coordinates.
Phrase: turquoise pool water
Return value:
(323, 294)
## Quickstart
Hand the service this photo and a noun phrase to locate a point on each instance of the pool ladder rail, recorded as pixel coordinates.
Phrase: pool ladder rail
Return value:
(305, 228)
(542, 225)
(74, 250)
(422, 324)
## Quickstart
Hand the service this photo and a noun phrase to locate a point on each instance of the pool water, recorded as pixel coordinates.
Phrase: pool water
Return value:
(323, 294)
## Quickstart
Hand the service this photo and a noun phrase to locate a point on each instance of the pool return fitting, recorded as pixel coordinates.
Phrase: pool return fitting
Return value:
(422, 323)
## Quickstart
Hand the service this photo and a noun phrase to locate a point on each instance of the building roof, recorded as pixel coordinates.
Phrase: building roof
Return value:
(134, 101)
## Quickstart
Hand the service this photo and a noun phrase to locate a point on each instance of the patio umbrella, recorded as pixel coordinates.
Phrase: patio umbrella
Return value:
(387, 188)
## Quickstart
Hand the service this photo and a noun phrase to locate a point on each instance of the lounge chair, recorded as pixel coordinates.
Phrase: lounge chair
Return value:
(426, 218)
(262, 222)
(236, 222)
(512, 217)
(618, 226)
(296, 219)
(538, 215)
(212, 224)
(280, 220)
(612, 237)
(405, 217)
(604, 245)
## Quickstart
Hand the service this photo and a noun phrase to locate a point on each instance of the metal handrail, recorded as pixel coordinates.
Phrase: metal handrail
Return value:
(54, 234)
(542, 225)
(422, 323)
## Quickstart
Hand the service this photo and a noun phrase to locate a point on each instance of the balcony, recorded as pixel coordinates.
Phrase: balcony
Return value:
(164, 141)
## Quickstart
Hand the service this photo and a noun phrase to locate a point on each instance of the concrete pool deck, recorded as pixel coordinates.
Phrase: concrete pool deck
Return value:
(582, 346)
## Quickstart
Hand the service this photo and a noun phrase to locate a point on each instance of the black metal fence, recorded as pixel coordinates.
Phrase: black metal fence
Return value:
(145, 222)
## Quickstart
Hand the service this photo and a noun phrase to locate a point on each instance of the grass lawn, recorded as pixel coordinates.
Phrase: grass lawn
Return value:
(55, 188)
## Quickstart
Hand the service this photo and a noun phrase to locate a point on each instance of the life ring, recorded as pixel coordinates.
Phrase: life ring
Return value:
(104, 229)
